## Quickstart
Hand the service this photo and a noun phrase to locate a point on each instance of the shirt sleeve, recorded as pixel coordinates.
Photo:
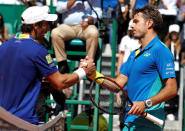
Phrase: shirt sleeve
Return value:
(165, 63)
(44, 63)
(62, 6)
(125, 67)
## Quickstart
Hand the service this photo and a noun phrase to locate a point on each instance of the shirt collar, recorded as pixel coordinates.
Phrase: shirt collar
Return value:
(23, 36)
(149, 45)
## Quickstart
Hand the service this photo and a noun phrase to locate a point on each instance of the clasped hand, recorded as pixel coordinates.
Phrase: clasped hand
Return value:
(88, 65)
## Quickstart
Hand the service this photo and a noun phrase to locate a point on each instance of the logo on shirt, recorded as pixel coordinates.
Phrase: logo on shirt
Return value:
(169, 64)
(147, 54)
(49, 59)
(137, 52)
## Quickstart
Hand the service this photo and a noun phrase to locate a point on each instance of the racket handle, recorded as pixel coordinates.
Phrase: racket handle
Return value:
(153, 118)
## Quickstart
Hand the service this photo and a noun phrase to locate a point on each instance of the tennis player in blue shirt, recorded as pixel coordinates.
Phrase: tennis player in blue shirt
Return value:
(148, 73)
(24, 62)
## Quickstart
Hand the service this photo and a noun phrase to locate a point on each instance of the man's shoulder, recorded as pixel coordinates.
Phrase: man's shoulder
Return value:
(160, 49)
(160, 46)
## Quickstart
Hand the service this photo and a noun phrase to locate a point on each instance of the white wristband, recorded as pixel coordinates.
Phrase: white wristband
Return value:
(81, 73)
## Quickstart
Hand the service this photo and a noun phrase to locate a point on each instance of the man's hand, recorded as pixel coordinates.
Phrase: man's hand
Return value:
(84, 25)
(86, 22)
(90, 20)
(88, 65)
(138, 108)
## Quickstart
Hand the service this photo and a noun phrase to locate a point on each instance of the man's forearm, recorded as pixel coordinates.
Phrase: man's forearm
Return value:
(70, 3)
(168, 92)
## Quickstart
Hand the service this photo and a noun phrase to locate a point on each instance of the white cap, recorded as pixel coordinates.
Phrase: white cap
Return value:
(36, 14)
(174, 28)
(129, 25)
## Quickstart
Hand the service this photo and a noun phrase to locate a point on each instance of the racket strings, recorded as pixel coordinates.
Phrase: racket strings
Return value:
(106, 101)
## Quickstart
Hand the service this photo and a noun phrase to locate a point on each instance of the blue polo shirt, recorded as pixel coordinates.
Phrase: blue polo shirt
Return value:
(23, 63)
(145, 69)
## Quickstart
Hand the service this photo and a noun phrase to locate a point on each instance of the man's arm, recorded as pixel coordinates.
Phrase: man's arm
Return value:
(168, 92)
(63, 81)
(64, 6)
(70, 3)
(132, 5)
(121, 80)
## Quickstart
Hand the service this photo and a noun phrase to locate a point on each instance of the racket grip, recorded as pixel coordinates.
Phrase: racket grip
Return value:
(153, 118)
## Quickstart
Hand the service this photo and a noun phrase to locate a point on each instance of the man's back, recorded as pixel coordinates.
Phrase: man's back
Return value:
(18, 56)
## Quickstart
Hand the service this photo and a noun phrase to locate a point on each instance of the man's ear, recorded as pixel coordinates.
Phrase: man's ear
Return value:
(150, 23)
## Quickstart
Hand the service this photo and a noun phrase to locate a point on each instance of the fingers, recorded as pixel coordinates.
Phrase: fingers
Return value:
(84, 62)
(88, 65)
(84, 25)
(137, 108)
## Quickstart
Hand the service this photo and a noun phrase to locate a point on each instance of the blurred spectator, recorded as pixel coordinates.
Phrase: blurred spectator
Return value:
(109, 13)
(127, 45)
(183, 55)
(112, 3)
(168, 9)
(138, 4)
(172, 41)
(181, 21)
(123, 18)
(3, 30)
(78, 22)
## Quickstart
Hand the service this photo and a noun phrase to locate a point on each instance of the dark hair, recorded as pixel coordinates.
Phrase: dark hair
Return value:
(27, 28)
(151, 12)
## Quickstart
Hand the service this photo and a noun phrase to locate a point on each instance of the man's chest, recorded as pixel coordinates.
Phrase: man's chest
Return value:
(143, 63)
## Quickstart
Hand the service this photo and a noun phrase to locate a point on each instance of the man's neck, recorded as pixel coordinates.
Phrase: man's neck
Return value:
(147, 38)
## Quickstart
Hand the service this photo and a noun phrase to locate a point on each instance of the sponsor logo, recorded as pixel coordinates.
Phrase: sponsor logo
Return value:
(169, 64)
(169, 68)
(147, 54)
(49, 59)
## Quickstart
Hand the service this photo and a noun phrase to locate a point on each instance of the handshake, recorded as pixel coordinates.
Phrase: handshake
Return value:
(86, 68)
(88, 65)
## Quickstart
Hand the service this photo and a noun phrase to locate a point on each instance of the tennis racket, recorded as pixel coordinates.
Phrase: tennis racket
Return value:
(104, 100)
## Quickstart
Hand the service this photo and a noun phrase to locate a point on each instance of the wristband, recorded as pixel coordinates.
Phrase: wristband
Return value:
(81, 73)
(96, 75)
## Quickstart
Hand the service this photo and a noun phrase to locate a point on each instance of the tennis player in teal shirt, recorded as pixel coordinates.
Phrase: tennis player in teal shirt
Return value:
(149, 72)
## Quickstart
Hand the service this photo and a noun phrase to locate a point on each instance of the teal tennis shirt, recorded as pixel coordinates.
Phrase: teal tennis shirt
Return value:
(23, 64)
(145, 69)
